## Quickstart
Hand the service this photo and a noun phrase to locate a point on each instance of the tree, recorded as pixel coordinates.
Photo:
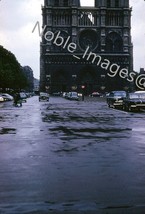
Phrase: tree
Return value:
(11, 75)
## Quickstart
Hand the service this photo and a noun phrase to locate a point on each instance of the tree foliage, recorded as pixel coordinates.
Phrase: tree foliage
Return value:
(11, 75)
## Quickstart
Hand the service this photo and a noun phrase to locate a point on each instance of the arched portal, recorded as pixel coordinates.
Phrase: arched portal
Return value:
(59, 81)
(87, 78)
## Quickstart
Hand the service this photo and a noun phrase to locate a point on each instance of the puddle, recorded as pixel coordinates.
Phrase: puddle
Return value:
(7, 131)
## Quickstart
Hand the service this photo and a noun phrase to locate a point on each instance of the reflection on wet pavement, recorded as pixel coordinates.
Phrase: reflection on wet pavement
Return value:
(71, 157)
(7, 131)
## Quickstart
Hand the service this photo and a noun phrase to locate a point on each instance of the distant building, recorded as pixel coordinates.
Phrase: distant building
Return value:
(28, 72)
(102, 34)
(36, 85)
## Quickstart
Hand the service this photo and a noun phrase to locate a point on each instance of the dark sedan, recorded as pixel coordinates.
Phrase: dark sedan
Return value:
(43, 96)
(115, 99)
(134, 102)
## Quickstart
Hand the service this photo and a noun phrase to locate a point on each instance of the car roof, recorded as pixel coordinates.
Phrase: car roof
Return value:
(119, 91)
(133, 93)
(139, 92)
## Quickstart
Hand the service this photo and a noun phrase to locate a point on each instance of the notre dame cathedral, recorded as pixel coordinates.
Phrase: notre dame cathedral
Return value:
(85, 46)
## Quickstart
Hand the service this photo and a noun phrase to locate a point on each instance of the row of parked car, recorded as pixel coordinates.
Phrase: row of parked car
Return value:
(43, 96)
(134, 101)
(7, 97)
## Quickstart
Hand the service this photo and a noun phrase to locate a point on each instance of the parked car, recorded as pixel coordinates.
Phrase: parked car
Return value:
(134, 102)
(72, 96)
(23, 97)
(7, 97)
(65, 94)
(1, 99)
(115, 99)
(107, 94)
(43, 96)
(95, 94)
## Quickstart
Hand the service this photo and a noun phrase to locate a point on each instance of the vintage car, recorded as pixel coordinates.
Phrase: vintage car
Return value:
(134, 102)
(7, 97)
(73, 96)
(95, 94)
(115, 99)
(43, 96)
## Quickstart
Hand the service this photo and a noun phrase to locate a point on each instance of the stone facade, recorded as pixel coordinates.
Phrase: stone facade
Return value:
(86, 46)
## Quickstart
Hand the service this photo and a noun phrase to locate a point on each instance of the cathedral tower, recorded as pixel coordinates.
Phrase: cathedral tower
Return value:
(76, 37)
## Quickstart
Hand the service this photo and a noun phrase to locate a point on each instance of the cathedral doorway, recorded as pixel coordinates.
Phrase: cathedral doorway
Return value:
(59, 81)
(87, 78)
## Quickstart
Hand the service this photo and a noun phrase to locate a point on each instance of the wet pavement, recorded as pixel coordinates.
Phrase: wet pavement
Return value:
(71, 157)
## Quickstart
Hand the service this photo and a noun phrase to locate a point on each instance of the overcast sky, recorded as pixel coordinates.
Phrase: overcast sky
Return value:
(18, 18)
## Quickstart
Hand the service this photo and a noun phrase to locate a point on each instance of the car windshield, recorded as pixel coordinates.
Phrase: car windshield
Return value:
(142, 96)
(134, 96)
(120, 94)
(43, 94)
(74, 93)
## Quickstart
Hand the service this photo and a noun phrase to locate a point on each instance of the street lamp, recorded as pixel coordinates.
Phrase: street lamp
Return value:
(74, 86)
(83, 92)
(48, 82)
(103, 76)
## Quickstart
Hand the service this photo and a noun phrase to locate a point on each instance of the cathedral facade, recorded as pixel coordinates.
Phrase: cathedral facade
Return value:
(86, 47)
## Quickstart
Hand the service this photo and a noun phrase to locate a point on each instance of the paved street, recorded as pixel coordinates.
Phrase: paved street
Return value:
(70, 157)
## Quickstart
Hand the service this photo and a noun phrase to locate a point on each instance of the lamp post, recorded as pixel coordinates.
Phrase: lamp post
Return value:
(48, 82)
(83, 88)
(103, 76)
(74, 86)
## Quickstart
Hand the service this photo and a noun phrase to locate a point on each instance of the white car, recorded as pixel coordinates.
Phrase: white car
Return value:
(73, 96)
(7, 97)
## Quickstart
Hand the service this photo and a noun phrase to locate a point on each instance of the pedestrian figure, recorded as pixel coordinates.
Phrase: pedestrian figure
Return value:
(17, 99)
